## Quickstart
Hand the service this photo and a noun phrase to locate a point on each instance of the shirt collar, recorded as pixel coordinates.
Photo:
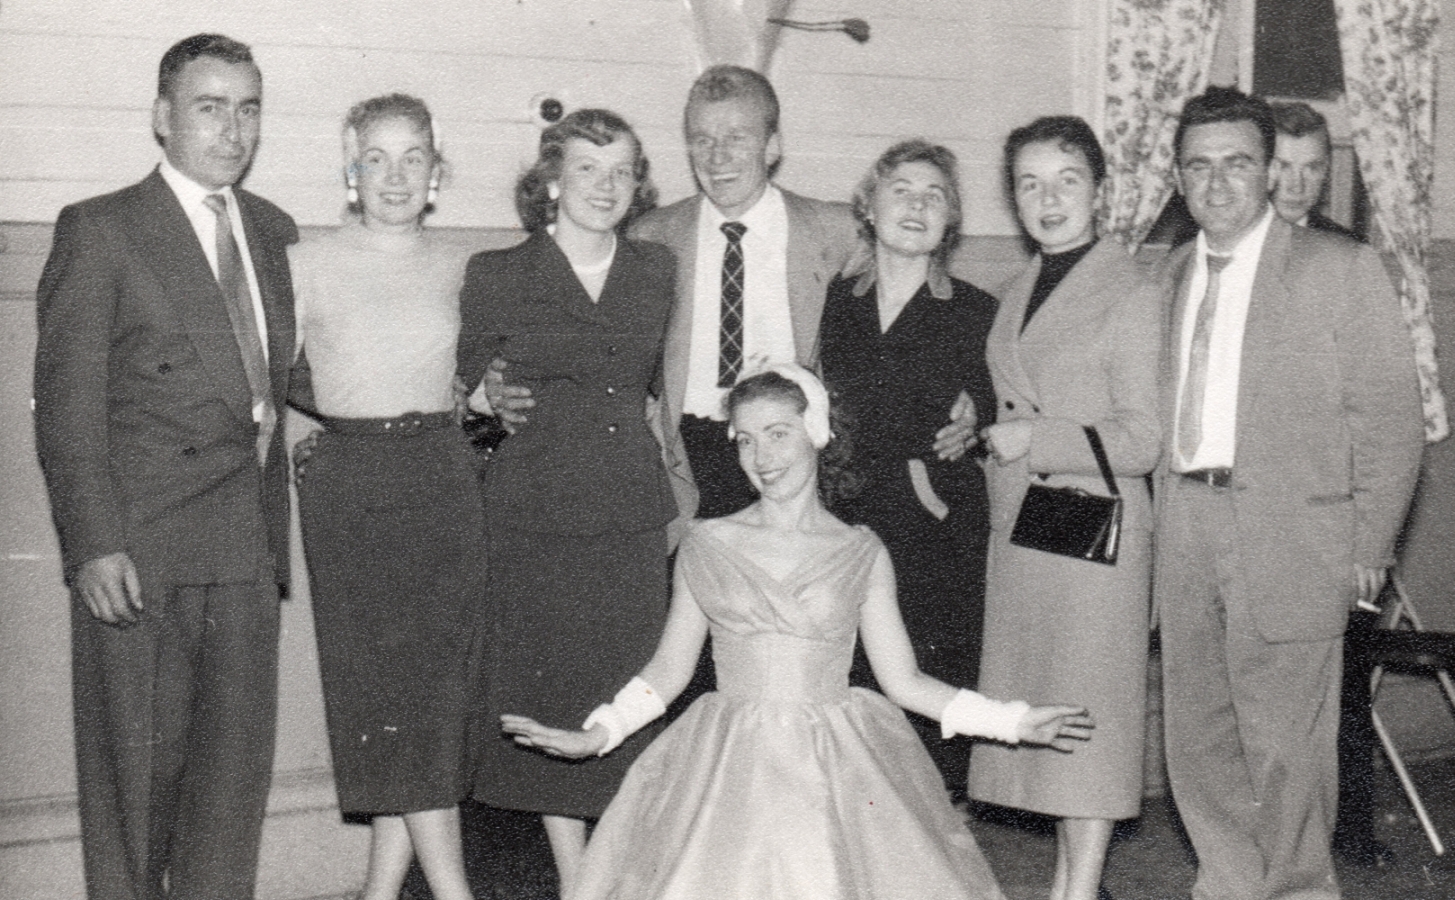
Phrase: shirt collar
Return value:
(190, 193)
(759, 219)
(861, 267)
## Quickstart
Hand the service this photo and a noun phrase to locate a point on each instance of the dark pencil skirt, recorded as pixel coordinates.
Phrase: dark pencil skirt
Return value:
(394, 532)
(573, 619)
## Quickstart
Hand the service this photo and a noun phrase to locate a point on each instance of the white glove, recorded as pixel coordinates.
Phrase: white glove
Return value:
(629, 711)
(979, 716)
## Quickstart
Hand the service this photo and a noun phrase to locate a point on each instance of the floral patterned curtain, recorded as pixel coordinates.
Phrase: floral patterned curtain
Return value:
(1158, 54)
(1388, 47)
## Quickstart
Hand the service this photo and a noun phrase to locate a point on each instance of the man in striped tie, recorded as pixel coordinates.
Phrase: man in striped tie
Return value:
(165, 336)
(1294, 435)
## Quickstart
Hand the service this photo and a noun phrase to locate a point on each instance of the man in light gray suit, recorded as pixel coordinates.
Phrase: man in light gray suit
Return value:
(1294, 413)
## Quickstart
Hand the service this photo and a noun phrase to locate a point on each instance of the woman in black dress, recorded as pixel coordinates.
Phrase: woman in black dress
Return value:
(903, 346)
(577, 502)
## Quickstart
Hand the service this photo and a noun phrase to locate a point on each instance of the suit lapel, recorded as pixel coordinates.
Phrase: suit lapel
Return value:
(275, 286)
(1268, 303)
(807, 281)
(165, 239)
(1007, 362)
(681, 233)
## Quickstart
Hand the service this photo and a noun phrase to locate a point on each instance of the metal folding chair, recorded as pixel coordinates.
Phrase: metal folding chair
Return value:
(1403, 643)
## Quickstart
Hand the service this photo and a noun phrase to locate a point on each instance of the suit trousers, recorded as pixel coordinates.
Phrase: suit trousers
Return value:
(1250, 724)
(175, 719)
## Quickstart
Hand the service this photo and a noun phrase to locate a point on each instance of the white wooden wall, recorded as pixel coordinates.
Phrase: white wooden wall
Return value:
(79, 78)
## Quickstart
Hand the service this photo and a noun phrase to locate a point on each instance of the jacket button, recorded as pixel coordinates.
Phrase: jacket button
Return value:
(164, 368)
(1035, 408)
(1010, 404)
(611, 428)
(189, 451)
(611, 351)
(611, 392)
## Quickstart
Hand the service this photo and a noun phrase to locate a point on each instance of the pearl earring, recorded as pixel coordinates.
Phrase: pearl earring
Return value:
(434, 193)
(553, 191)
(353, 191)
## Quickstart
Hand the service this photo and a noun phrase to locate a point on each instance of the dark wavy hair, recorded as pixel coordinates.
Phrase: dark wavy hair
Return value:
(1226, 104)
(533, 201)
(911, 151)
(1067, 133)
(836, 478)
(365, 113)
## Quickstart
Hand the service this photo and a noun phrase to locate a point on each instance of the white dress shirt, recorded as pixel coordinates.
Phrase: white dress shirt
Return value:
(1225, 348)
(767, 323)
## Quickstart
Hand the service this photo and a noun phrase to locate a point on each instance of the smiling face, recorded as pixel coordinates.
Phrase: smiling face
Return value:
(596, 185)
(394, 168)
(1224, 176)
(911, 209)
(1055, 195)
(774, 448)
(209, 120)
(1300, 167)
(731, 152)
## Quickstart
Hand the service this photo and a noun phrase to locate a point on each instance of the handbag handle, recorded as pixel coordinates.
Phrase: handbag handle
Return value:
(1100, 452)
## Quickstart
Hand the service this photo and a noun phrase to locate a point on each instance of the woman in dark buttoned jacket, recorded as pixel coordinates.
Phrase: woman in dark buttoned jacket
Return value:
(1075, 343)
(577, 502)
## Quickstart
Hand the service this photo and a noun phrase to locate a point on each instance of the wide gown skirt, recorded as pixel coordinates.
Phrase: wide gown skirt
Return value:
(574, 617)
(747, 800)
(393, 529)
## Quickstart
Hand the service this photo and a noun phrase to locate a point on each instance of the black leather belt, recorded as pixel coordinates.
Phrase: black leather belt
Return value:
(1214, 478)
(409, 423)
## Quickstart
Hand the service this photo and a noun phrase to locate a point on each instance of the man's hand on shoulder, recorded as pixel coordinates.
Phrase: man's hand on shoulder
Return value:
(110, 588)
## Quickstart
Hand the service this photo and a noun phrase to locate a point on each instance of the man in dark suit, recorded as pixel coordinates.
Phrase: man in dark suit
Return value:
(1301, 156)
(165, 336)
(1296, 431)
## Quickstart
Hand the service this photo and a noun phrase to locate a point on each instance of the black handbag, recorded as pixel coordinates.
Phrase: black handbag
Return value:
(1071, 522)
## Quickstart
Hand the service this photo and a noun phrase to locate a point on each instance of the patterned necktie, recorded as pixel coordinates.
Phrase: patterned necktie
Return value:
(1194, 388)
(233, 280)
(730, 337)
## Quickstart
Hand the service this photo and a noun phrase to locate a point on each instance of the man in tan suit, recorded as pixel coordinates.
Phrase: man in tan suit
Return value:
(787, 250)
(1291, 401)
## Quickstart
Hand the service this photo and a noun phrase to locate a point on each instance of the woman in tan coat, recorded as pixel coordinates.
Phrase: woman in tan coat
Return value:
(1075, 343)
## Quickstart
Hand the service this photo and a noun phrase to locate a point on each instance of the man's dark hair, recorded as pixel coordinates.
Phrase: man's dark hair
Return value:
(1226, 104)
(1299, 119)
(217, 46)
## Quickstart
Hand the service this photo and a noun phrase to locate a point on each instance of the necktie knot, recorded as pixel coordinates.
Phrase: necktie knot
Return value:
(217, 203)
(734, 231)
(1216, 263)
